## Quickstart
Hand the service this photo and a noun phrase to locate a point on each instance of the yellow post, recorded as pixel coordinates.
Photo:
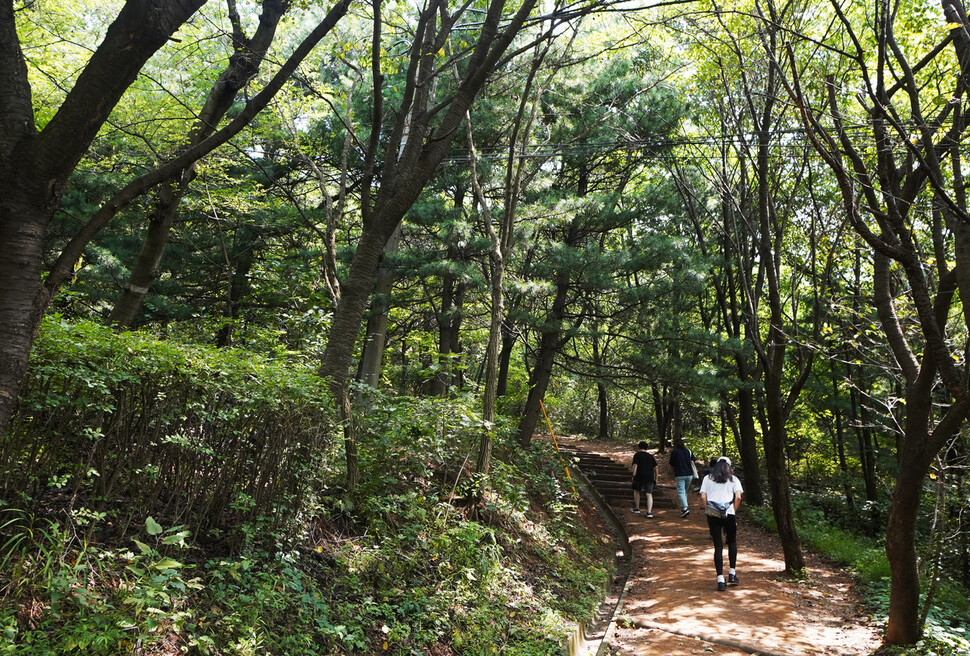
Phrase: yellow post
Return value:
(564, 465)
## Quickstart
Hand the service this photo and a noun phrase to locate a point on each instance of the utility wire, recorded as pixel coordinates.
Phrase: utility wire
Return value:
(781, 139)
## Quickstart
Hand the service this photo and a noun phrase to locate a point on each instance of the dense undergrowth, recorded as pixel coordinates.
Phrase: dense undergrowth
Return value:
(947, 617)
(414, 562)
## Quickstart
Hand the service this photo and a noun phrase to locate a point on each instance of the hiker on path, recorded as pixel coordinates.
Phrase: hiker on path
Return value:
(721, 496)
(644, 477)
(685, 464)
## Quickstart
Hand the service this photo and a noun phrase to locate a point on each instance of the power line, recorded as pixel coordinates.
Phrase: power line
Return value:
(797, 139)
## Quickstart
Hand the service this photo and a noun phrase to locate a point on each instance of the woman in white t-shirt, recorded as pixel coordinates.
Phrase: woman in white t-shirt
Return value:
(720, 496)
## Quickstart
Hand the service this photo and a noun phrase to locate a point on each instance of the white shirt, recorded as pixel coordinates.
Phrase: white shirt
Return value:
(722, 492)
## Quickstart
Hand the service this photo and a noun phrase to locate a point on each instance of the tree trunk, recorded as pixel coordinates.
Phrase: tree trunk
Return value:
(840, 441)
(778, 482)
(903, 627)
(602, 398)
(449, 374)
(549, 345)
(150, 258)
(442, 378)
(774, 349)
(490, 395)
(663, 412)
(509, 335)
(843, 465)
(538, 382)
(351, 456)
(34, 167)
(380, 306)
(456, 372)
(603, 402)
(22, 297)
(860, 419)
(748, 437)
(238, 289)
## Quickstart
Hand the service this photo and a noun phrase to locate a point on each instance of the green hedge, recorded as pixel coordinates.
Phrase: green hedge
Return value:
(128, 424)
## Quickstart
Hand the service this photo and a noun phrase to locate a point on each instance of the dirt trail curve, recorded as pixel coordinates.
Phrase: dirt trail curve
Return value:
(670, 606)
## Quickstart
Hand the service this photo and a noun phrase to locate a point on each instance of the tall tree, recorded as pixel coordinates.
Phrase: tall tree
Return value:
(502, 235)
(247, 56)
(907, 201)
(761, 209)
(430, 112)
(581, 257)
(35, 164)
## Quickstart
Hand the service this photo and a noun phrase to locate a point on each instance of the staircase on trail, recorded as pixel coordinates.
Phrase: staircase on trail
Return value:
(612, 480)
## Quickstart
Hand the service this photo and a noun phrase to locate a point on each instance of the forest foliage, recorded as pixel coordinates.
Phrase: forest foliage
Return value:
(290, 287)
(133, 552)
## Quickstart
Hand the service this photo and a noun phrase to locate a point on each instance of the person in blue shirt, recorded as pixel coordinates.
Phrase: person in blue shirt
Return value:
(682, 459)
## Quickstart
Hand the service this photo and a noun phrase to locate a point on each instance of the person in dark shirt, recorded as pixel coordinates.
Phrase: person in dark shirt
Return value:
(684, 463)
(644, 477)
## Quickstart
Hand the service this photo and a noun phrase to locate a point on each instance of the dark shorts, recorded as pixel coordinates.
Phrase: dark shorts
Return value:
(644, 486)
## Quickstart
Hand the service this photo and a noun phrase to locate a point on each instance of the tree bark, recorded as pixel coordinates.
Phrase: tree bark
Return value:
(238, 288)
(778, 480)
(150, 258)
(664, 408)
(549, 346)
(550, 343)
(442, 377)
(509, 337)
(602, 397)
(748, 438)
(919, 447)
(839, 436)
(373, 355)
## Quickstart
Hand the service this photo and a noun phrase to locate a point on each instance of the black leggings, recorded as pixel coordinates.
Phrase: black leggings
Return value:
(729, 525)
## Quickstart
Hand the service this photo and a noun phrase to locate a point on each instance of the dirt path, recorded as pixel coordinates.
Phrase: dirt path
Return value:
(671, 607)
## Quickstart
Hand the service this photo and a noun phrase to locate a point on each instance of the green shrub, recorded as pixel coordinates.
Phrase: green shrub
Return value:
(209, 437)
(404, 566)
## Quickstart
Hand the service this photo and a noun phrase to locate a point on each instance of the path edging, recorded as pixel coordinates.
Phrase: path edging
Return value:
(589, 639)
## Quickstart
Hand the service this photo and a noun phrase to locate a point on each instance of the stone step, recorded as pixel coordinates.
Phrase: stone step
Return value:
(599, 464)
(612, 480)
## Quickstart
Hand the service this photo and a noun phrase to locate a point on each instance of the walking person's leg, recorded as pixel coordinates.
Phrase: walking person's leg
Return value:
(715, 526)
(731, 529)
(682, 482)
(636, 499)
(648, 490)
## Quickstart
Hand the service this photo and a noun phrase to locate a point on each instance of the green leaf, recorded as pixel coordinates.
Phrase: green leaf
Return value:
(153, 527)
(167, 563)
(144, 548)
